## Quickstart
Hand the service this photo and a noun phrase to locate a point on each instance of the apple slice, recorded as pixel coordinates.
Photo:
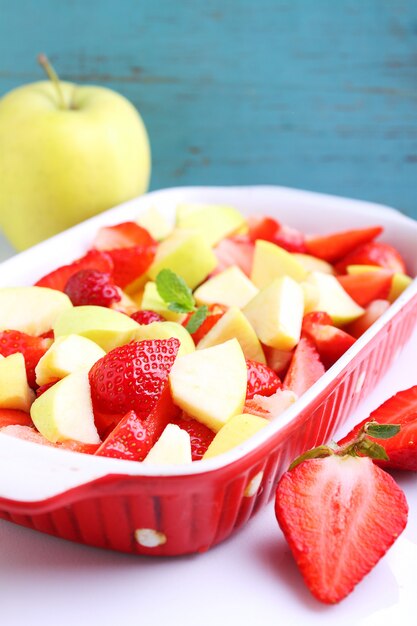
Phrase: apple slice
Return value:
(231, 288)
(214, 222)
(210, 384)
(237, 430)
(152, 301)
(32, 310)
(187, 254)
(65, 411)
(333, 299)
(172, 448)
(15, 392)
(166, 330)
(233, 324)
(276, 313)
(313, 264)
(109, 329)
(66, 355)
(155, 223)
(271, 261)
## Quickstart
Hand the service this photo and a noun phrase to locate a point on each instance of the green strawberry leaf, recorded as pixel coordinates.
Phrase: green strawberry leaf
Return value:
(381, 431)
(197, 319)
(316, 453)
(173, 289)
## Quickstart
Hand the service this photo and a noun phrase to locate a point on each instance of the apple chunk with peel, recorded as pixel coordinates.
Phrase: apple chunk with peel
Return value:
(166, 330)
(65, 410)
(109, 329)
(32, 310)
(234, 324)
(211, 384)
(15, 392)
(173, 447)
(187, 254)
(276, 313)
(333, 299)
(214, 222)
(66, 355)
(231, 288)
(271, 261)
(237, 430)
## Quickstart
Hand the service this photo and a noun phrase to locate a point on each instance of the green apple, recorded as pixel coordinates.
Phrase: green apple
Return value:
(152, 301)
(234, 324)
(313, 264)
(333, 299)
(276, 313)
(32, 310)
(400, 281)
(172, 448)
(237, 430)
(155, 223)
(231, 287)
(15, 392)
(186, 253)
(66, 355)
(166, 330)
(105, 327)
(67, 152)
(271, 261)
(211, 384)
(212, 221)
(65, 411)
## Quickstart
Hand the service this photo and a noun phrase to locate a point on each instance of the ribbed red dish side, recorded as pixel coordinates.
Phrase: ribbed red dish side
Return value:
(186, 514)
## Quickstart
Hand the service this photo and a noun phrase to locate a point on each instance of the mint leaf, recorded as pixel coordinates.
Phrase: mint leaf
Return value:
(174, 291)
(316, 453)
(197, 319)
(178, 308)
(382, 431)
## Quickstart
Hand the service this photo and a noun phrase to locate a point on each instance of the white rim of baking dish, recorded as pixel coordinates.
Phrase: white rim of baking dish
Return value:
(30, 472)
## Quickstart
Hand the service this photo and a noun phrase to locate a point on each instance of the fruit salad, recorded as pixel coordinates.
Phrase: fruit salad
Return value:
(171, 344)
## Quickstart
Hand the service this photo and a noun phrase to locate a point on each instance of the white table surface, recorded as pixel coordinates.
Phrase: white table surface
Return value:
(249, 579)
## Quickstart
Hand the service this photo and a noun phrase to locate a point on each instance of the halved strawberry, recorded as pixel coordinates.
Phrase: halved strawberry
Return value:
(330, 342)
(13, 417)
(132, 377)
(305, 367)
(123, 235)
(339, 514)
(269, 229)
(278, 360)
(91, 287)
(401, 448)
(216, 311)
(146, 317)
(130, 263)
(373, 253)
(262, 380)
(373, 311)
(32, 348)
(236, 250)
(335, 246)
(367, 286)
(200, 435)
(94, 259)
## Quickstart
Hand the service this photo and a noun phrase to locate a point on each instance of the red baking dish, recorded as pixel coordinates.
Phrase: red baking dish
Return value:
(176, 510)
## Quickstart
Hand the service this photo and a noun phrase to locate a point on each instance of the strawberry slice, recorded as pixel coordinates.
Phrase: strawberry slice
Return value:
(132, 377)
(122, 235)
(367, 286)
(373, 253)
(331, 342)
(32, 348)
(200, 435)
(401, 448)
(133, 437)
(146, 317)
(130, 263)
(262, 380)
(236, 250)
(269, 229)
(305, 367)
(13, 417)
(373, 311)
(93, 260)
(335, 246)
(91, 287)
(28, 433)
(339, 514)
(216, 311)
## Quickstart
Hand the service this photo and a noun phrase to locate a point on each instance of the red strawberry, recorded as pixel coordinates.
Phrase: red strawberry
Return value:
(334, 247)
(201, 436)
(262, 380)
(278, 360)
(133, 438)
(305, 367)
(401, 448)
(130, 263)
(236, 250)
(339, 514)
(331, 342)
(32, 348)
(367, 286)
(146, 317)
(122, 235)
(132, 377)
(92, 287)
(374, 253)
(216, 311)
(40, 390)
(268, 229)
(373, 311)
(28, 433)
(12, 417)
(93, 260)
(315, 317)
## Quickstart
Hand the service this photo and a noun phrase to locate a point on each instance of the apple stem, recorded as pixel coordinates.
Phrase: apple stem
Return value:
(53, 76)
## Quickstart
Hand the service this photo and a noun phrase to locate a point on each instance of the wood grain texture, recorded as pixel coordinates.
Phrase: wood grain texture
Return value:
(314, 94)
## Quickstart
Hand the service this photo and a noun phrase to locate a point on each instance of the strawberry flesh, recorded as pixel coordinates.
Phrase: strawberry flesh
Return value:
(216, 311)
(333, 247)
(373, 253)
(268, 229)
(13, 417)
(123, 235)
(91, 287)
(236, 250)
(32, 348)
(130, 263)
(93, 260)
(367, 286)
(200, 435)
(262, 380)
(305, 367)
(146, 317)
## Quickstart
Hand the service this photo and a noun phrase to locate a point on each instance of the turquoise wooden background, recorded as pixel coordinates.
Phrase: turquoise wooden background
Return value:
(319, 94)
